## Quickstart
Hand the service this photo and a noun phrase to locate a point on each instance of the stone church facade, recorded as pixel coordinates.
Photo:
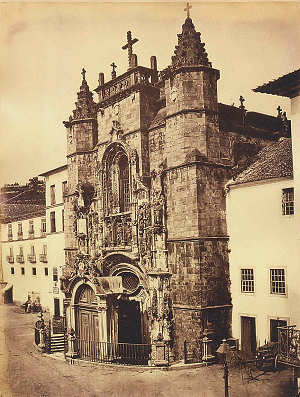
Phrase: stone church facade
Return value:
(146, 242)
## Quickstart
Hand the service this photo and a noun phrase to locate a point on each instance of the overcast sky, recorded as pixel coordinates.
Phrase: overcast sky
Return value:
(45, 45)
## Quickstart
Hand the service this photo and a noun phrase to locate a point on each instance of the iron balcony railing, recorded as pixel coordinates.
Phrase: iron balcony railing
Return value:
(43, 258)
(117, 353)
(31, 258)
(20, 258)
(10, 259)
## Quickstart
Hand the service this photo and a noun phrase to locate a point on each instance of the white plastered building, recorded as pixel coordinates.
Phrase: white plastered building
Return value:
(263, 213)
(32, 242)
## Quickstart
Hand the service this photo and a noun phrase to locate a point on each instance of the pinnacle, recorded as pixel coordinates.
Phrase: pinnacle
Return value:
(190, 50)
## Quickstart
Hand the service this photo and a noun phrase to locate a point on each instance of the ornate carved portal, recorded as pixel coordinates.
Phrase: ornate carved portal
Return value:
(119, 225)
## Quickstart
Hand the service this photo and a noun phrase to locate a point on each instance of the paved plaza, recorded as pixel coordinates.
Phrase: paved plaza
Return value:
(27, 373)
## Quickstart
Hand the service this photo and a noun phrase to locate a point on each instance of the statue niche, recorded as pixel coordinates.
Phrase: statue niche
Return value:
(85, 193)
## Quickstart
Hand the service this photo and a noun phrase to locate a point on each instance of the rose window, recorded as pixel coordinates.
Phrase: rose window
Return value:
(130, 281)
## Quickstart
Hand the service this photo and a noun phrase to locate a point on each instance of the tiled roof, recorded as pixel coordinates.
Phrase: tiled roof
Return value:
(14, 212)
(256, 124)
(287, 85)
(231, 120)
(273, 161)
(159, 118)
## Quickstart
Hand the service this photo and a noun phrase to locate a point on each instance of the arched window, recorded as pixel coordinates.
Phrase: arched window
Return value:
(117, 182)
(124, 184)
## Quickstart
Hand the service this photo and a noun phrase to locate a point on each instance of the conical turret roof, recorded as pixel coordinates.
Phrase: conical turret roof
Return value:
(85, 106)
(190, 50)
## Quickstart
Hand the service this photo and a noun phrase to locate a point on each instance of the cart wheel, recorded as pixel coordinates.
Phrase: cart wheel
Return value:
(276, 363)
(259, 364)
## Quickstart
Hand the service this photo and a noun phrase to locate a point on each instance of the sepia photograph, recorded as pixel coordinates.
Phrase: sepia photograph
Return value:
(148, 199)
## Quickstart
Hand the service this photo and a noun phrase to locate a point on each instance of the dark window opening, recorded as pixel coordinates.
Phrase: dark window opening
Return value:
(55, 274)
(52, 222)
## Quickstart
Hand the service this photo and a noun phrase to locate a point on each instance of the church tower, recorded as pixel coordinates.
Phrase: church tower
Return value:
(191, 100)
(194, 178)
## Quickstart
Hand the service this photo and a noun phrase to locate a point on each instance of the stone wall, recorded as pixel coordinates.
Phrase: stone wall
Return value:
(200, 279)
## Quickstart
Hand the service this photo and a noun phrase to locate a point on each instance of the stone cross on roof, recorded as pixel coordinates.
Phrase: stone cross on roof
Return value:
(242, 100)
(279, 110)
(129, 46)
(187, 9)
(113, 72)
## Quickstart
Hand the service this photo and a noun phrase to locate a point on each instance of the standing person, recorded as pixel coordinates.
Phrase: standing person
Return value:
(28, 305)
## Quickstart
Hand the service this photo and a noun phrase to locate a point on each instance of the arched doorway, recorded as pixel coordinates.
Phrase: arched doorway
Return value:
(129, 322)
(129, 313)
(87, 326)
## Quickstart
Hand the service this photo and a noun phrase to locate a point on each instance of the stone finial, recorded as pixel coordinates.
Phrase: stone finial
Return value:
(153, 63)
(134, 61)
(101, 79)
(128, 46)
(113, 72)
(243, 110)
(83, 72)
(190, 50)
(85, 106)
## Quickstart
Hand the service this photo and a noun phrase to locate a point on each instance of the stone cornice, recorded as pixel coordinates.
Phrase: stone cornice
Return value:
(194, 110)
(197, 162)
(172, 71)
(82, 152)
(179, 306)
(200, 238)
(69, 124)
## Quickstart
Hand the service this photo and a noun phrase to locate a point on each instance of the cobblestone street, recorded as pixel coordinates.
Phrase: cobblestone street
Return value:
(25, 372)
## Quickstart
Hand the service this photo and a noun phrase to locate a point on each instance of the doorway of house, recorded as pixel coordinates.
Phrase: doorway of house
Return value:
(129, 322)
(248, 334)
(56, 307)
(8, 294)
(273, 328)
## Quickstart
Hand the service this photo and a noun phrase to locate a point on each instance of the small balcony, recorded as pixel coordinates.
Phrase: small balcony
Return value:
(20, 236)
(43, 258)
(10, 237)
(31, 258)
(10, 259)
(43, 233)
(20, 258)
(31, 234)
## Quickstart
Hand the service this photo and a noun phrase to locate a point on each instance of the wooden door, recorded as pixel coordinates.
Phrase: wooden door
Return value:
(84, 325)
(248, 334)
(56, 307)
(129, 322)
(274, 330)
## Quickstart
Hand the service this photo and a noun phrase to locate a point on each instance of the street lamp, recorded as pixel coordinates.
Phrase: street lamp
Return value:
(223, 350)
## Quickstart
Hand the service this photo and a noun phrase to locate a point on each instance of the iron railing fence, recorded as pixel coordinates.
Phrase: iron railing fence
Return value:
(193, 352)
(289, 345)
(118, 353)
(58, 324)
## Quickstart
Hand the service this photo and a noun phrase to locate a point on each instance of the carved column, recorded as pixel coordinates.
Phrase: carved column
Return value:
(112, 319)
(102, 317)
(69, 314)
(161, 317)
